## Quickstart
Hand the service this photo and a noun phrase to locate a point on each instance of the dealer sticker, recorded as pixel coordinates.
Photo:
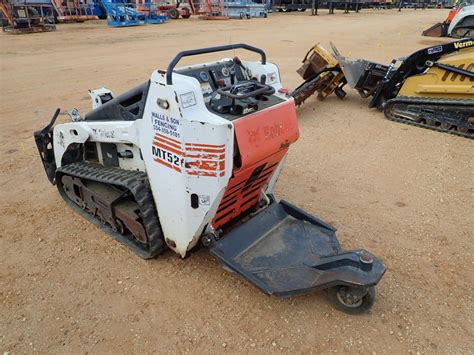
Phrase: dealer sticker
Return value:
(434, 50)
(188, 99)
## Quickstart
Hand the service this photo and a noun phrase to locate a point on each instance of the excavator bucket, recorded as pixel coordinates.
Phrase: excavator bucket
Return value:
(284, 251)
(438, 30)
(361, 74)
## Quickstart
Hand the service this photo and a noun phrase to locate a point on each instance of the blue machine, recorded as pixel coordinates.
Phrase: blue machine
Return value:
(99, 10)
(122, 13)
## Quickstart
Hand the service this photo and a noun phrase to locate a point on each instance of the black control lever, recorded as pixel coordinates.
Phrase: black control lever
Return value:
(232, 91)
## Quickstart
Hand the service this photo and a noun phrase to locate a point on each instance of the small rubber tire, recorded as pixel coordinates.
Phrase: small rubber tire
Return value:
(185, 12)
(365, 304)
(173, 13)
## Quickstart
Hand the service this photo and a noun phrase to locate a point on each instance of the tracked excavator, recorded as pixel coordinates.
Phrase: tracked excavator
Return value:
(432, 88)
(189, 159)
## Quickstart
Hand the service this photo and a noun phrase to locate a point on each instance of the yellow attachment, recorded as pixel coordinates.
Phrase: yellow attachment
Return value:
(323, 53)
(439, 83)
(315, 60)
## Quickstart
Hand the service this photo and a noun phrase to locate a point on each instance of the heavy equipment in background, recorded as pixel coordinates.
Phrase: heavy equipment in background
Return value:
(441, 28)
(244, 9)
(208, 9)
(26, 16)
(175, 10)
(462, 24)
(204, 9)
(432, 88)
(459, 23)
(125, 13)
(74, 10)
(190, 157)
(331, 5)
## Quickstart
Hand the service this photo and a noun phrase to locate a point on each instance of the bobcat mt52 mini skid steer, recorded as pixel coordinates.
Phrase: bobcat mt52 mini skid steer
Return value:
(190, 158)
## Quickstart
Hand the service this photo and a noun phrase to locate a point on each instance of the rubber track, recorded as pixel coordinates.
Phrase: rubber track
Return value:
(430, 101)
(134, 181)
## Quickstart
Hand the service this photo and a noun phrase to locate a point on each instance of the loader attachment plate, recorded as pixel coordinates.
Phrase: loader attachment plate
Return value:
(285, 251)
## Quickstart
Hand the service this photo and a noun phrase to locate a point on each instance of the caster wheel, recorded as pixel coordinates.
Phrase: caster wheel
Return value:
(352, 300)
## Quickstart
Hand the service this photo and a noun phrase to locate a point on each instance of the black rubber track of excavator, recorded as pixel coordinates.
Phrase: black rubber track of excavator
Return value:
(134, 181)
(429, 101)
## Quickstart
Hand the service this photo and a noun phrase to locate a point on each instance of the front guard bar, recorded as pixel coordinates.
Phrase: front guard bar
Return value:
(44, 143)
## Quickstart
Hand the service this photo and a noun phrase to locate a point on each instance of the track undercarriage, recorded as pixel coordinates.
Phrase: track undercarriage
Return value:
(118, 201)
(449, 116)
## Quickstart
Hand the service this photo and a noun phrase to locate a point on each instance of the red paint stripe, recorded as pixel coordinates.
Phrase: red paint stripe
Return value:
(207, 156)
(161, 140)
(171, 139)
(201, 173)
(167, 164)
(168, 146)
(175, 151)
(202, 165)
(205, 145)
(206, 150)
(209, 152)
(173, 145)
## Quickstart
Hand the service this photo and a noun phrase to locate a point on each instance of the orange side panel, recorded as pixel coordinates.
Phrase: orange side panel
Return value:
(265, 133)
(243, 191)
(263, 140)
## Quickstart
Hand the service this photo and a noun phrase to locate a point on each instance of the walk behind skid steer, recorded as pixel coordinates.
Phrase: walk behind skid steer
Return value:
(190, 158)
(431, 88)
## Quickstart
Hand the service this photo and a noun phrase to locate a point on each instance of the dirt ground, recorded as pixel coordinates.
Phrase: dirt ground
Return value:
(404, 193)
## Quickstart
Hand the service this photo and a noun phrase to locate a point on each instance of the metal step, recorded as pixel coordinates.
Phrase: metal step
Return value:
(284, 251)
